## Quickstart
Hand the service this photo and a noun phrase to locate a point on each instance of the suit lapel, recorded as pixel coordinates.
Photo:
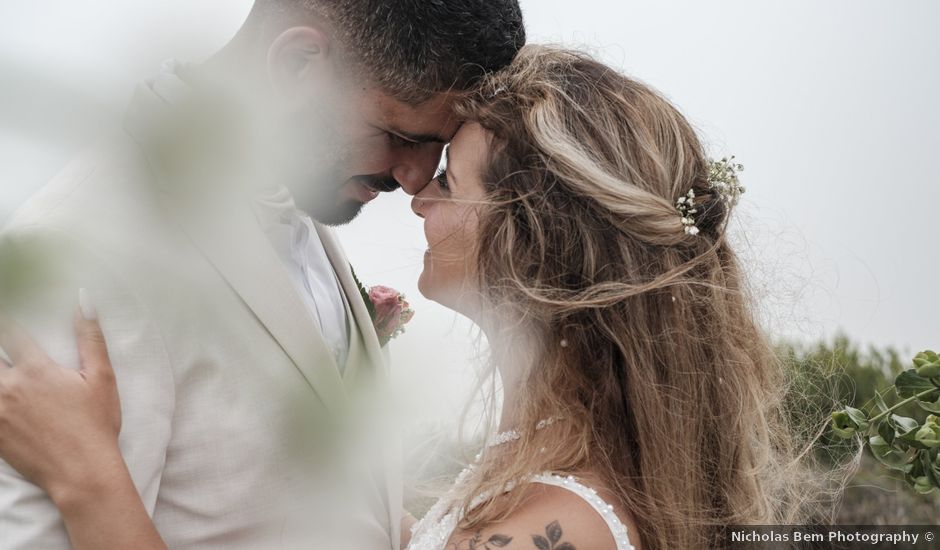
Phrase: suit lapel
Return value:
(241, 253)
(365, 341)
(366, 337)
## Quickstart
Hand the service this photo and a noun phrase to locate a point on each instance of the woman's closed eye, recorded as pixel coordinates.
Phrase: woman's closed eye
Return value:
(441, 179)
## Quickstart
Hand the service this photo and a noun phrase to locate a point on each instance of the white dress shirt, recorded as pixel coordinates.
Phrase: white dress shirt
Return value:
(297, 243)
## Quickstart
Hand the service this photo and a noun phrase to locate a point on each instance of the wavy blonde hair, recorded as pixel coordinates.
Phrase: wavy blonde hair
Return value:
(647, 343)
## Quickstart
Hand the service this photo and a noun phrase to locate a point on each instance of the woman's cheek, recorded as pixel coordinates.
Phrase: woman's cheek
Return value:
(451, 239)
(465, 241)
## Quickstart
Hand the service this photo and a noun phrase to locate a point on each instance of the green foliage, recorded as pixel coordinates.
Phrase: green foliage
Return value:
(905, 443)
(839, 374)
(365, 294)
(830, 374)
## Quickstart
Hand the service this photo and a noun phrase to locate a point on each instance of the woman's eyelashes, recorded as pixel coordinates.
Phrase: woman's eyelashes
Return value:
(441, 179)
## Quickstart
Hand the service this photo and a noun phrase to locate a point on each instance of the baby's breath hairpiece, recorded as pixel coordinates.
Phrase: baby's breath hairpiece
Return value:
(723, 180)
(687, 211)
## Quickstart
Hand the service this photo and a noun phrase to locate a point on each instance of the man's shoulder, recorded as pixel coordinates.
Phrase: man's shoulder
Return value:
(98, 219)
(99, 183)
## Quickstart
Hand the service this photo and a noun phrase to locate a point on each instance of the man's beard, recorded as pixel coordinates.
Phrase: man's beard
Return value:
(340, 214)
(329, 207)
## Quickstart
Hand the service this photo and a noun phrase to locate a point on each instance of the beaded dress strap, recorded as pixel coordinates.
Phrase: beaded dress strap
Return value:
(606, 511)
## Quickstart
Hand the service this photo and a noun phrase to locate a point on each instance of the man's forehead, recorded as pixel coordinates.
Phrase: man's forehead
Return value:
(431, 121)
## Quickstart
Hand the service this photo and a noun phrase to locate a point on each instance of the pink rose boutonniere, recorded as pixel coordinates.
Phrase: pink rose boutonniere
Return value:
(389, 310)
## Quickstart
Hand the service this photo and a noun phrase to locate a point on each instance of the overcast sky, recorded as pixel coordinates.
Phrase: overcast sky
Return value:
(832, 106)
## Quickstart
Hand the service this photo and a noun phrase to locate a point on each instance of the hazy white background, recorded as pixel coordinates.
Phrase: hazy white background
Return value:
(832, 106)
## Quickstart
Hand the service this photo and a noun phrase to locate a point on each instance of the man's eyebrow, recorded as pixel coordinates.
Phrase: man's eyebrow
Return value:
(421, 138)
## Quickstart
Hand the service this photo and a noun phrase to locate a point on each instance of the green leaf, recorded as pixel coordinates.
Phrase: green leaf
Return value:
(933, 407)
(843, 425)
(923, 485)
(890, 457)
(364, 293)
(880, 405)
(859, 417)
(909, 384)
(931, 470)
(885, 428)
(906, 432)
(905, 425)
(927, 364)
(928, 435)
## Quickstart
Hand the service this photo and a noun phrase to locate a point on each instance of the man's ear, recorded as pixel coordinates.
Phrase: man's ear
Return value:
(299, 61)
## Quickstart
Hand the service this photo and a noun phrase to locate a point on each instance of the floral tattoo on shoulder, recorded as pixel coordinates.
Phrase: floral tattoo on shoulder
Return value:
(551, 540)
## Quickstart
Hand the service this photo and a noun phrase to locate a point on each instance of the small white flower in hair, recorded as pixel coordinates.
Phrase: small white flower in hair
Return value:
(686, 207)
(723, 180)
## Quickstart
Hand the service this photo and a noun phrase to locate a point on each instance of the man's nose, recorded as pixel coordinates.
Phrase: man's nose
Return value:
(415, 170)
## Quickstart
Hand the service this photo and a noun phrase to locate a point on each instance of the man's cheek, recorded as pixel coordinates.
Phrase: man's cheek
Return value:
(371, 160)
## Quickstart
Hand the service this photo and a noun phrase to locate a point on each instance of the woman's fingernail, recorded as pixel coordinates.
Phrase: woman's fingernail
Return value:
(89, 313)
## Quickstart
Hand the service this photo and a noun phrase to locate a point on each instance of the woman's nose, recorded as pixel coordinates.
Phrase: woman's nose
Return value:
(420, 201)
(417, 206)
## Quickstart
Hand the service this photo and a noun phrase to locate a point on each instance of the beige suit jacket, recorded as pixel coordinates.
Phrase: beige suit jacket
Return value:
(238, 428)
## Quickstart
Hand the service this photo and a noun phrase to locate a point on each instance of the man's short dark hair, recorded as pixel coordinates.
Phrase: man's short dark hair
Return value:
(412, 49)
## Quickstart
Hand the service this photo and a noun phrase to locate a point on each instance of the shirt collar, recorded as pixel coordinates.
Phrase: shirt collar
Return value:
(275, 207)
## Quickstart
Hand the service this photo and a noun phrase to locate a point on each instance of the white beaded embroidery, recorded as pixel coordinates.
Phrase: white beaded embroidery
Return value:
(513, 435)
(433, 531)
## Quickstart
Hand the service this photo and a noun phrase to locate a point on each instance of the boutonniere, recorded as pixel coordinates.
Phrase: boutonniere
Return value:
(388, 308)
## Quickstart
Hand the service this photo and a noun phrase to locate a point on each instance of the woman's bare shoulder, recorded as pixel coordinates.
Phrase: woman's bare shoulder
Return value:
(550, 518)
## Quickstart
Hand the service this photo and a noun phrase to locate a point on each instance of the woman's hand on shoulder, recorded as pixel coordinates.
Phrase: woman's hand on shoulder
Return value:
(550, 518)
(57, 426)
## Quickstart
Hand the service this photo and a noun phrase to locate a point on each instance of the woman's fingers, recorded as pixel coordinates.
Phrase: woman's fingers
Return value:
(19, 345)
(96, 366)
(92, 348)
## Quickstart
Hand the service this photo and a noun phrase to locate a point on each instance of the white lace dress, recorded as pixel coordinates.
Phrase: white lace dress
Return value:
(433, 532)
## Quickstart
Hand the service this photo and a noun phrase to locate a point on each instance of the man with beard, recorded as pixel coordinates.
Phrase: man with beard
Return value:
(245, 357)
